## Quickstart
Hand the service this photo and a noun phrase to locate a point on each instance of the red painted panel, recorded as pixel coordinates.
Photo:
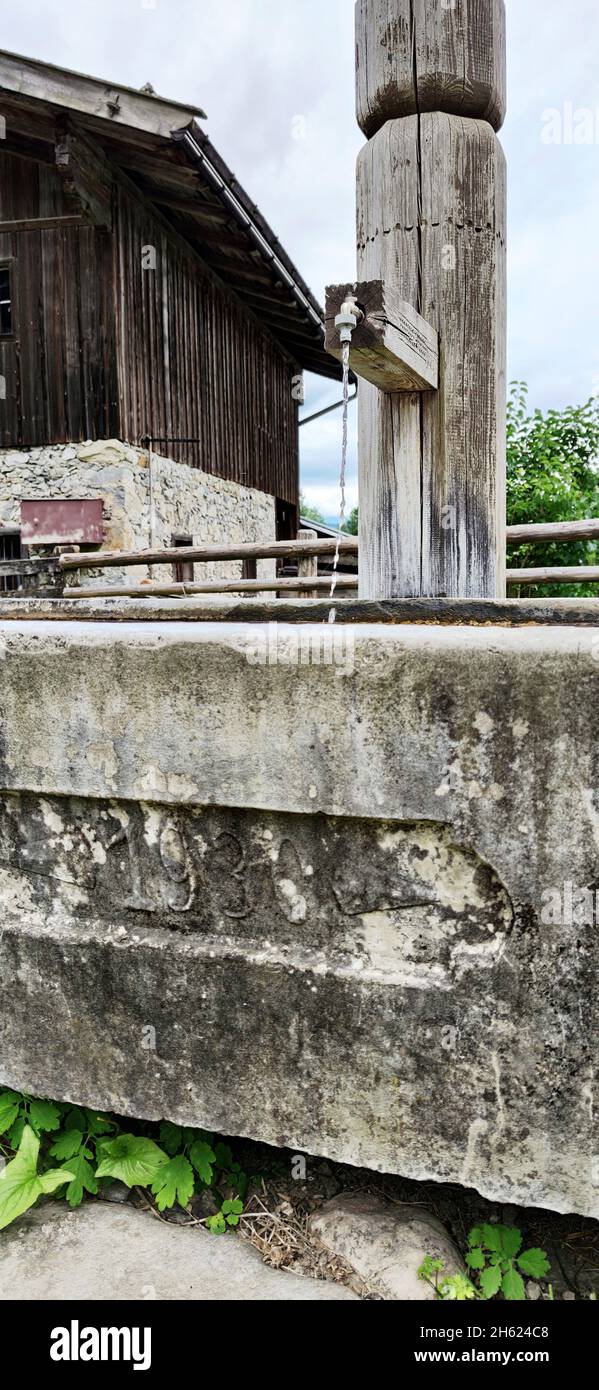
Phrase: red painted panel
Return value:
(62, 521)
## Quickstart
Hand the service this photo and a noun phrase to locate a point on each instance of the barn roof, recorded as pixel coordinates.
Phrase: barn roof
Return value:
(160, 146)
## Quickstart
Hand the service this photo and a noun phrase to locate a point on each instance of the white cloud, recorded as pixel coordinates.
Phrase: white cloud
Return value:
(257, 65)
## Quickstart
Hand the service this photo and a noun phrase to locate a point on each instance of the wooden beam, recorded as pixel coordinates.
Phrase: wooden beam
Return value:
(217, 586)
(207, 554)
(569, 574)
(86, 176)
(393, 347)
(431, 195)
(428, 56)
(553, 532)
(42, 224)
(92, 96)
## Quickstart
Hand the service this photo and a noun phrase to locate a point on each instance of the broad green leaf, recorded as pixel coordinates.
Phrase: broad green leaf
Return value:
(476, 1236)
(475, 1259)
(223, 1155)
(171, 1138)
(20, 1184)
(174, 1183)
(9, 1109)
(511, 1241)
(15, 1133)
(203, 1158)
(534, 1264)
(83, 1178)
(67, 1144)
(512, 1285)
(74, 1118)
(492, 1238)
(44, 1115)
(490, 1281)
(132, 1159)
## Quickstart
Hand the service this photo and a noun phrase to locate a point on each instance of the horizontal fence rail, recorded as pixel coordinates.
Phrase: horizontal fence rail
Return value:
(218, 586)
(47, 574)
(208, 554)
(536, 533)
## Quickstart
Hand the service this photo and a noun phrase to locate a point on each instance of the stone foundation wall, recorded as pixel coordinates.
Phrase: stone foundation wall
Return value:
(348, 892)
(210, 509)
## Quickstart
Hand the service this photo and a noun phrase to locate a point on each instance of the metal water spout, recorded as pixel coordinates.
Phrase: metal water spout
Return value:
(348, 318)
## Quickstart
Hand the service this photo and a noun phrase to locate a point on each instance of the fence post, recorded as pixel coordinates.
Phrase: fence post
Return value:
(431, 217)
(307, 567)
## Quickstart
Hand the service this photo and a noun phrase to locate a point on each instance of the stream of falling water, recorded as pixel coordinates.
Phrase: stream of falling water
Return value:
(346, 349)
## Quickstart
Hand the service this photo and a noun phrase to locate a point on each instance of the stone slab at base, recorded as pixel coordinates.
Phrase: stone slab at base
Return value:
(321, 895)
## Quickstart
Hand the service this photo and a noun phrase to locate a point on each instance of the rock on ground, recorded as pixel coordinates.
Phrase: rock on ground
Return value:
(106, 1252)
(385, 1244)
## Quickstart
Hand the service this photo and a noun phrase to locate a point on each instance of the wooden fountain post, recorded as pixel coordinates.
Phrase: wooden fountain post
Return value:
(431, 217)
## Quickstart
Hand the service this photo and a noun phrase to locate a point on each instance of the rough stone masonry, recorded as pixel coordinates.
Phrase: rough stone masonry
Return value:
(328, 904)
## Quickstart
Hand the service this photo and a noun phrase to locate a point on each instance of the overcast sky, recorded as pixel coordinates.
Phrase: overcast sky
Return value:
(256, 66)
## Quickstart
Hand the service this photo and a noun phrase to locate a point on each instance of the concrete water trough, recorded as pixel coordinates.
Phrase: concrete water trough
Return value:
(329, 887)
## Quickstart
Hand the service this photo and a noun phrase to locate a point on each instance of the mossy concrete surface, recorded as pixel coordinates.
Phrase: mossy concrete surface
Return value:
(328, 886)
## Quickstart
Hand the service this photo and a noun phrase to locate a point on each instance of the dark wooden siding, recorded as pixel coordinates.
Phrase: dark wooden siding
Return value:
(104, 348)
(60, 363)
(195, 365)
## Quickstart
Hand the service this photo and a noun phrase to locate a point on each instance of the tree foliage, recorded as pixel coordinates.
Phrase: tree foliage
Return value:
(552, 475)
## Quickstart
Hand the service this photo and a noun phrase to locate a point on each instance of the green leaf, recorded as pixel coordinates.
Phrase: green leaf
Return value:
(9, 1109)
(174, 1183)
(217, 1224)
(476, 1236)
(20, 1184)
(458, 1289)
(534, 1264)
(99, 1124)
(15, 1133)
(74, 1118)
(429, 1268)
(67, 1144)
(513, 1286)
(203, 1158)
(511, 1241)
(475, 1259)
(132, 1159)
(44, 1115)
(171, 1137)
(83, 1178)
(232, 1210)
(490, 1281)
(492, 1238)
(223, 1156)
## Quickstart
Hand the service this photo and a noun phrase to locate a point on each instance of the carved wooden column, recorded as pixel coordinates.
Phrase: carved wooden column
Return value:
(431, 218)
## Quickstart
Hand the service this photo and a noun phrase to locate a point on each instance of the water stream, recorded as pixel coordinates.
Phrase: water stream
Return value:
(346, 350)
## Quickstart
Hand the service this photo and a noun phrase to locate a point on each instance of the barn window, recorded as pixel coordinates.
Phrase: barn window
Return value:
(5, 302)
(10, 549)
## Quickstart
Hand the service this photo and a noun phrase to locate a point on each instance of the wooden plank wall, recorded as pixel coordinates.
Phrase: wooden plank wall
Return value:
(60, 369)
(195, 365)
(105, 348)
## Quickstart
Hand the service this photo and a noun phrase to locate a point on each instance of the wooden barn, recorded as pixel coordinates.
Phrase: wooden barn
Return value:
(144, 303)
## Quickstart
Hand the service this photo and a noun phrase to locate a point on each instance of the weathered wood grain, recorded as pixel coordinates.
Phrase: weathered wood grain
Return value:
(392, 347)
(567, 612)
(555, 574)
(208, 554)
(306, 588)
(85, 175)
(534, 533)
(307, 568)
(432, 223)
(426, 55)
